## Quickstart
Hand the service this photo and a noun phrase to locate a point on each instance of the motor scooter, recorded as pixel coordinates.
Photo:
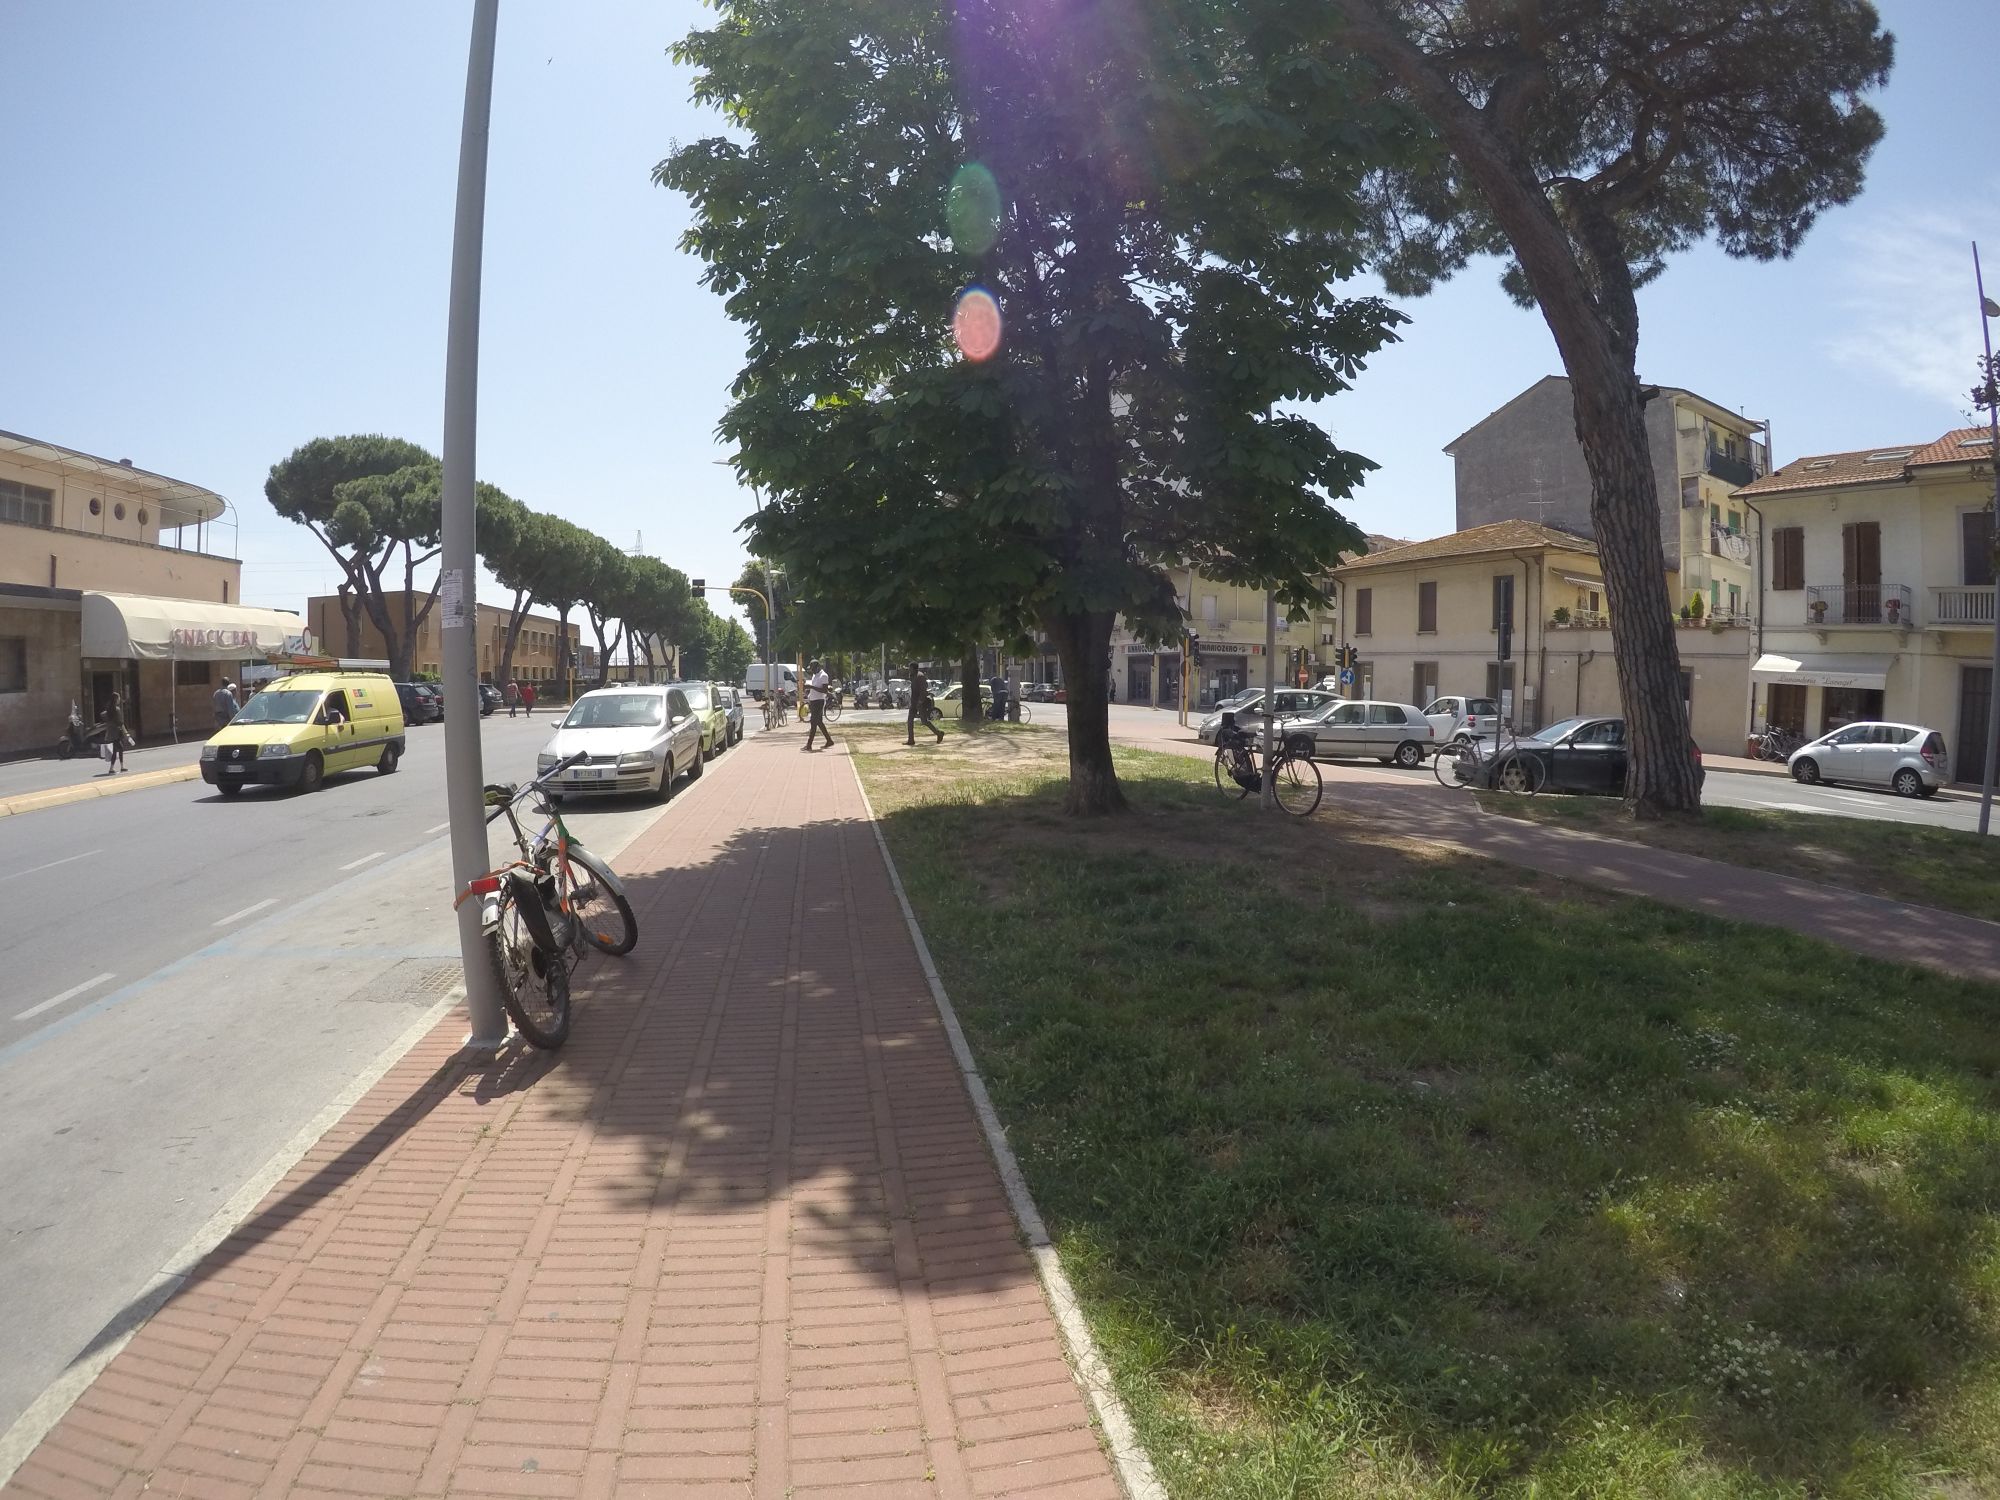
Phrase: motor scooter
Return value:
(79, 738)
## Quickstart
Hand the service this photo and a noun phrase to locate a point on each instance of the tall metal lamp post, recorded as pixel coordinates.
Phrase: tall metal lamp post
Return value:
(464, 773)
(1988, 311)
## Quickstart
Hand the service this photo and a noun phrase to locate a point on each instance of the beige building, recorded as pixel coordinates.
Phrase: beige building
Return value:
(535, 650)
(1226, 623)
(1878, 590)
(1426, 620)
(107, 584)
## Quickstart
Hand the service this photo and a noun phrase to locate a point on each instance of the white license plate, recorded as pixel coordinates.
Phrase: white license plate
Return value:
(592, 773)
(234, 770)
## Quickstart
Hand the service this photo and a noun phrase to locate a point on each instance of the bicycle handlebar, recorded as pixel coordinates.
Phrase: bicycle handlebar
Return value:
(508, 793)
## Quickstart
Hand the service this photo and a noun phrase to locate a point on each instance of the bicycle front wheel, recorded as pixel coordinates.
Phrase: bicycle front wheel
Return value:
(1298, 786)
(597, 905)
(1225, 777)
(1027, 717)
(833, 711)
(534, 983)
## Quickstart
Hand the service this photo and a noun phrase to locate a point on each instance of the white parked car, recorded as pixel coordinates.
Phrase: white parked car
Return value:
(634, 739)
(1908, 758)
(1393, 733)
(1458, 718)
(1248, 706)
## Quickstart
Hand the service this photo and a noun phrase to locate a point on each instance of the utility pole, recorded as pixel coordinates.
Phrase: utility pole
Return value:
(464, 773)
(1270, 793)
(1988, 311)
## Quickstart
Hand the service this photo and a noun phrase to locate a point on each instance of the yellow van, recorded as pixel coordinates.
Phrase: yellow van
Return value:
(307, 727)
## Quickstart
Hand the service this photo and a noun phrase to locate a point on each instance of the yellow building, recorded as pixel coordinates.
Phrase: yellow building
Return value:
(107, 584)
(1426, 620)
(1878, 590)
(535, 649)
(1226, 621)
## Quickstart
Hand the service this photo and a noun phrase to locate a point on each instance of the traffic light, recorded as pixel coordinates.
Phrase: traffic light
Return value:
(698, 585)
(1506, 637)
(1193, 643)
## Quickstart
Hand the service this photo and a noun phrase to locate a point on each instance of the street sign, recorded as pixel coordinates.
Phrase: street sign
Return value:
(1347, 677)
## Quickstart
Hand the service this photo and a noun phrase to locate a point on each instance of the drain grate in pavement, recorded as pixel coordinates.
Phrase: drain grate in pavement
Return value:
(410, 981)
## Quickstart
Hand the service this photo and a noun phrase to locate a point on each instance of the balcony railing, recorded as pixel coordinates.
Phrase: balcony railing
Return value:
(1858, 604)
(1729, 468)
(1962, 605)
(1725, 541)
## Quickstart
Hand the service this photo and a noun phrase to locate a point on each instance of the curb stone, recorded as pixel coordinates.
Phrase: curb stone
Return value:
(61, 796)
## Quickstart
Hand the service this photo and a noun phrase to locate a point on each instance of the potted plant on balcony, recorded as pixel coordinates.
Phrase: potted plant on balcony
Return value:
(1561, 614)
(1696, 605)
(1892, 607)
(1818, 611)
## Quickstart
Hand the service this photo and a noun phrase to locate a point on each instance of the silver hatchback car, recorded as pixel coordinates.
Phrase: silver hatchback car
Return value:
(1907, 758)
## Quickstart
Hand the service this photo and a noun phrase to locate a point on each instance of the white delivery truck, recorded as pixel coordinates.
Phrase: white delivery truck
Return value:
(783, 675)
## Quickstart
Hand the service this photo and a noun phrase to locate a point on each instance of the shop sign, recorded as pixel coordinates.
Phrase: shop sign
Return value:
(196, 639)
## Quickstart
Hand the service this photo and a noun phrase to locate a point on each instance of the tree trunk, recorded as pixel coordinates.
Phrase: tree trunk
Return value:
(350, 611)
(968, 677)
(1083, 644)
(1660, 775)
(514, 619)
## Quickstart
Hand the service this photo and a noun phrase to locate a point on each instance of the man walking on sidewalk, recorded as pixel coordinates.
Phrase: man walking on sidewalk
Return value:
(816, 687)
(225, 705)
(513, 697)
(920, 707)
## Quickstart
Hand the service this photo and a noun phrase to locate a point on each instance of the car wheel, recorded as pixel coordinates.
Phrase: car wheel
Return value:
(229, 788)
(387, 764)
(1409, 755)
(666, 787)
(698, 764)
(1908, 783)
(1806, 772)
(314, 773)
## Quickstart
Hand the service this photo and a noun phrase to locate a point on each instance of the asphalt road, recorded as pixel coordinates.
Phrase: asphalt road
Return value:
(185, 984)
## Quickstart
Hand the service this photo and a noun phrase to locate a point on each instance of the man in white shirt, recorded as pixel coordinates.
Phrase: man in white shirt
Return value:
(816, 687)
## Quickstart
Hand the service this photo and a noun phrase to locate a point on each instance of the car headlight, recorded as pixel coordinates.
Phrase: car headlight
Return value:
(208, 752)
(273, 750)
(546, 761)
(636, 760)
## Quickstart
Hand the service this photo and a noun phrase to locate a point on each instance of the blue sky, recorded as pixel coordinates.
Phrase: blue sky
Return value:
(231, 232)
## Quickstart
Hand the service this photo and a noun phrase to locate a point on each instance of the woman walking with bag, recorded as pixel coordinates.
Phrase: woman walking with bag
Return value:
(114, 736)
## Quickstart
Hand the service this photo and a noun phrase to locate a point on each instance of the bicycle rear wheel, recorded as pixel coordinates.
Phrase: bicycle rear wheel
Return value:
(1026, 716)
(598, 907)
(1298, 786)
(1455, 766)
(1225, 777)
(534, 983)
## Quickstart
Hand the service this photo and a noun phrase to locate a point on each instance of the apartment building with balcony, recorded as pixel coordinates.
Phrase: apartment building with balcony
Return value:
(1878, 590)
(113, 579)
(1426, 619)
(1523, 462)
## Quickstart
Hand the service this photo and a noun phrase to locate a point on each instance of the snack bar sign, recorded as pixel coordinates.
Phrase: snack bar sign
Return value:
(186, 639)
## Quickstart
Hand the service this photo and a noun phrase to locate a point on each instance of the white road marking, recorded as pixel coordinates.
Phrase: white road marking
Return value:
(72, 859)
(355, 864)
(69, 994)
(237, 916)
(437, 828)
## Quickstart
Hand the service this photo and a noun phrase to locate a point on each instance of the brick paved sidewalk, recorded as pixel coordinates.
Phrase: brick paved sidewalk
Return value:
(742, 1237)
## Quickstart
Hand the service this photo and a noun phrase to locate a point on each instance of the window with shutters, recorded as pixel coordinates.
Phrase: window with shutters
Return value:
(1976, 544)
(1788, 558)
(1427, 608)
(1364, 611)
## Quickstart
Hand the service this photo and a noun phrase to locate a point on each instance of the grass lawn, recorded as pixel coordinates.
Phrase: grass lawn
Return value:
(1382, 1172)
(1941, 867)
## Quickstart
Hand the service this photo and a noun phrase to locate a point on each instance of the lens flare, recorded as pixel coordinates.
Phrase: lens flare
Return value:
(972, 210)
(975, 324)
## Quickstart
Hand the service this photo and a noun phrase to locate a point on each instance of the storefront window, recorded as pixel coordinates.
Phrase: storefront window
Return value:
(1840, 706)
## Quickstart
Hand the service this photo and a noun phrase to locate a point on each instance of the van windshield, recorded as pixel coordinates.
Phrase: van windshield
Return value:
(279, 706)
